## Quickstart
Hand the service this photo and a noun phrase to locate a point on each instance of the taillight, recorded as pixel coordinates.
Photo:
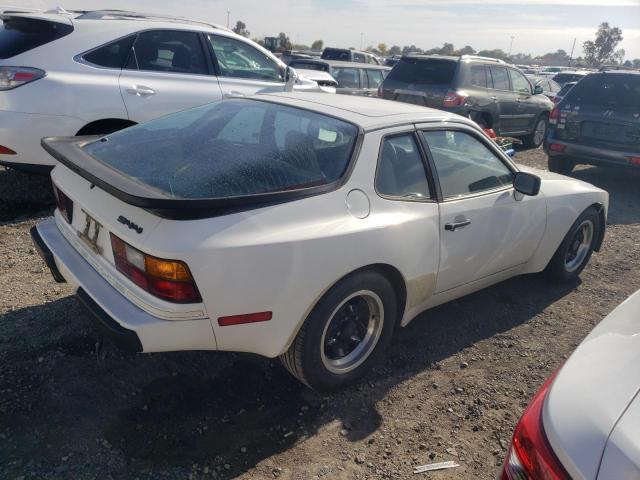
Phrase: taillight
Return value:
(530, 455)
(454, 99)
(13, 77)
(169, 280)
(64, 203)
(557, 147)
(6, 150)
(554, 115)
(634, 161)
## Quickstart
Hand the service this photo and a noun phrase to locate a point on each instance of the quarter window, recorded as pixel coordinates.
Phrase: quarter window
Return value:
(168, 51)
(401, 171)
(112, 55)
(464, 164)
(240, 60)
(519, 82)
(500, 78)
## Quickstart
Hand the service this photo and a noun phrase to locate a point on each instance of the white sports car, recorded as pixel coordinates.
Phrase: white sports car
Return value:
(305, 226)
(584, 423)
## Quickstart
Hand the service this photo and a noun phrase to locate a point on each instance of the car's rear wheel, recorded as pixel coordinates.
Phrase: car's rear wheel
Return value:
(345, 333)
(561, 165)
(574, 252)
(535, 138)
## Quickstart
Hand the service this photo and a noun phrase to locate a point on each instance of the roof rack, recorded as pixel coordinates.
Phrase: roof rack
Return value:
(128, 15)
(477, 57)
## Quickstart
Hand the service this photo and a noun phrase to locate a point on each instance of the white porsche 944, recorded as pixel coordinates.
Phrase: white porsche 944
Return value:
(304, 226)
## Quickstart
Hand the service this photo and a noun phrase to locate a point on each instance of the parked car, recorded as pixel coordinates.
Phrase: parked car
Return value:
(569, 76)
(353, 78)
(391, 61)
(549, 88)
(85, 73)
(306, 226)
(490, 92)
(324, 80)
(563, 91)
(583, 422)
(597, 123)
(349, 55)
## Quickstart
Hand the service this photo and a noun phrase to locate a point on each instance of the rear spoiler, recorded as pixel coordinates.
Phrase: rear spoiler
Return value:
(69, 152)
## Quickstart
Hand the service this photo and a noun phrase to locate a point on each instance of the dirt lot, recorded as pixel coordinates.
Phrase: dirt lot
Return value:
(452, 387)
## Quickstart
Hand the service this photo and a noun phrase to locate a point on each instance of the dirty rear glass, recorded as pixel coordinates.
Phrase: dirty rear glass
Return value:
(423, 71)
(232, 148)
(607, 90)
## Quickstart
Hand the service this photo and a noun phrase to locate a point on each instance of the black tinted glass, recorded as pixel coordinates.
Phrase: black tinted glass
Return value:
(113, 55)
(168, 51)
(19, 35)
(343, 55)
(607, 90)
(423, 71)
(231, 149)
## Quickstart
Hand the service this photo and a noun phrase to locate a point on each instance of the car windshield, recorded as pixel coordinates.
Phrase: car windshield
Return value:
(423, 71)
(607, 90)
(232, 148)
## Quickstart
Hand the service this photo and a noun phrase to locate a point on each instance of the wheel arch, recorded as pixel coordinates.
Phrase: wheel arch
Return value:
(104, 126)
(391, 273)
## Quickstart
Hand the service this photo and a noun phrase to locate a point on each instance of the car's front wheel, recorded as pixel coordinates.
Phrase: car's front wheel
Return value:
(345, 333)
(576, 248)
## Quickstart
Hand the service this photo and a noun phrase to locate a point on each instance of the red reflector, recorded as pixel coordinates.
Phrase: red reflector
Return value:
(246, 318)
(557, 147)
(6, 150)
(634, 161)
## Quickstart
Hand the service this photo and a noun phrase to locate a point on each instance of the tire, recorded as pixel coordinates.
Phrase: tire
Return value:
(535, 139)
(576, 248)
(561, 165)
(316, 355)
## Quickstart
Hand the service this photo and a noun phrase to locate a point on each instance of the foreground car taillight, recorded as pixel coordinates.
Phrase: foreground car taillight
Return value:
(454, 99)
(554, 115)
(169, 280)
(64, 203)
(530, 455)
(13, 77)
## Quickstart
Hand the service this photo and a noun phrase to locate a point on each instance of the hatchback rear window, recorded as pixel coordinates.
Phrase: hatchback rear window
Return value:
(606, 90)
(19, 35)
(229, 149)
(332, 54)
(424, 71)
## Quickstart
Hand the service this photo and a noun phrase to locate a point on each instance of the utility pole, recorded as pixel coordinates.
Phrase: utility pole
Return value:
(571, 56)
(511, 45)
(228, 13)
(361, 39)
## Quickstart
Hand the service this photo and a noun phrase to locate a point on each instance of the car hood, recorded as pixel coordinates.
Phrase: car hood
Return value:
(593, 392)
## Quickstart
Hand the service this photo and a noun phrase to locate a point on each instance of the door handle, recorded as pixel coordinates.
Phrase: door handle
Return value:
(141, 91)
(494, 98)
(452, 226)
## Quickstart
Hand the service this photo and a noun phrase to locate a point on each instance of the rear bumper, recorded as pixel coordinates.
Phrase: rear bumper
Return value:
(22, 132)
(125, 323)
(590, 155)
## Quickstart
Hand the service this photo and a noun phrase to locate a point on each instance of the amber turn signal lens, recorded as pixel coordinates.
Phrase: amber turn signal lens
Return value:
(171, 270)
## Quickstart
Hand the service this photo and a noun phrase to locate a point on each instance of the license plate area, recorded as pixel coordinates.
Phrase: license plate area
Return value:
(611, 133)
(90, 233)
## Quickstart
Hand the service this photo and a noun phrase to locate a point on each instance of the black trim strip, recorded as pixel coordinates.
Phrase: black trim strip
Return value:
(46, 254)
(123, 337)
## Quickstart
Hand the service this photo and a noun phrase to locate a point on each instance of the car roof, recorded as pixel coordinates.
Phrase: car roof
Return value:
(368, 113)
(340, 63)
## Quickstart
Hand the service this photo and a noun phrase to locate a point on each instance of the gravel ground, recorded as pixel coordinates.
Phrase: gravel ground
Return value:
(451, 388)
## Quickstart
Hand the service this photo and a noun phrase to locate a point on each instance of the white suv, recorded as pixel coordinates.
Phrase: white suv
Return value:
(84, 73)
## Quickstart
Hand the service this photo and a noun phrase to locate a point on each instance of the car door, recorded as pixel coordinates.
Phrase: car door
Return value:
(167, 71)
(500, 92)
(527, 108)
(485, 226)
(374, 78)
(243, 69)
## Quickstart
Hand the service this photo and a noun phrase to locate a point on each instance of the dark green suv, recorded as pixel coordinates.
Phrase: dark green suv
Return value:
(494, 94)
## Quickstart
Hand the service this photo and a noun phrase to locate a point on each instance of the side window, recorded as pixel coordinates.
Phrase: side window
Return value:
(358, 57)
(464, 164)
(375, 78)
(479, 76)
(519, 82)
(168, 51)
(112, 55)
(500, 78)
(401, 171)
(240, 60)
(346, 77)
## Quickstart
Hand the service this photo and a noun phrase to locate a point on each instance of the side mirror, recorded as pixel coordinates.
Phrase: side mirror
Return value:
(537, 90)
(290, 78)
(527, 184)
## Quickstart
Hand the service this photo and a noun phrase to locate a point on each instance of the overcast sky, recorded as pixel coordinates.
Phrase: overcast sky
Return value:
(539, 26)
